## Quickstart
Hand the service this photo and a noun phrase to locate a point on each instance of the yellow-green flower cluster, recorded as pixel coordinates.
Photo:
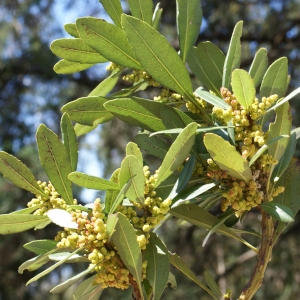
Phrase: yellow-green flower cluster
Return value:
(167, 95)
(138, 75)
(53, 199)
(113, 66)
(265, 161)
(258, 109)
(277, 191)
(192, 107)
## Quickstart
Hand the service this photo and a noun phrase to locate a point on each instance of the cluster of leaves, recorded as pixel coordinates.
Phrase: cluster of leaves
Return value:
(205, 160)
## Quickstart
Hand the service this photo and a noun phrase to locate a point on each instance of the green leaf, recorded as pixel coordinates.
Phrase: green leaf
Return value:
(274, 81)
(65, 285)
(87, 110)
(13, 223)
(16, 172)
(92, 182)
(54, 159)
(189, 18)
(233, 57)
(156, 16)
(125, 241)
(111, 195)
(156, 254)
(259, 66)
(141, 9)
(178, 263)
(84, 129)
(69, 67)
(108, 40)
(76, 50)
(133, 149)
(207, 62)
(278, 211)
(132, 168)
(212, 284)
(70, 140)
(157, 57)
(61, 218)
(172, 281)
(136, 111)
(177, 153)
(71, 29)
(113, 9)
(76, 258)
(212, 99)
(227, 157)
(87, 290)
(170, 118)
(27, 210)
(243, 87)
(40, 246)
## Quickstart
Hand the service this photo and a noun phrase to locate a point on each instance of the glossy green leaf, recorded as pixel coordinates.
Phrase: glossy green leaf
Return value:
(65, 285)
(108, 40)
(61, 218)
(75, 258)
(165, 188)
(178, 263)
(156, 16)
(259, 66)
(227, 157)
(212, 99)
(54, 159)
(87, 290)
(243, 87)
(111, 195)
(12, 223)
(84, 129)
(189, 19)
(133, 149)
(92, 182)
(124, 239)
(170, 118)
(86, 110)
(233, 56)
(153, 145)
(71, 29)
(177, 153)
(76, 50)
(274, 81)
(40, 246)
(70, 140)
(278, 211)
(113, 9)
(212, 284)
(136, 111)
(157, 57)
(132, 168)
(27, 210)
(156, 254)
(69, 67)
(16, 172)
(141, 9)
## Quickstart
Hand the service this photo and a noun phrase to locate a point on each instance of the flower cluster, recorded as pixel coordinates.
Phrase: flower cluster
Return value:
(138, 75)
(167, 95)
(192, 107)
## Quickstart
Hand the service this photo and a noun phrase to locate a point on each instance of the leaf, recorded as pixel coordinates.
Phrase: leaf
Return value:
(212, 284)
(156, 254)
(156, 16)
(189, 18)
(212, 99)
(70, 140)
(233, 57)
(71, 29)
(113, 9)
(177, 153)
(13, 223)
(172, 281)
(16, 172)
(54, 159)
(278, 211)
(227, 158)
(138, 112)
(86, 110)
(61, 218)
(131, 168)
(157, 57)
(108, 40)
(84, 129)
(141, 9)
(206, 62)
(274, 81)
(243, 87)
(170, 118)
(177, 262)
(153, 145)
(76, 50)
(69, 67)
(92, 182)
(125, 241)
(111, 195)
(27, 210)
(40, 246)
(65, 285)
(133, 149)
(259, 66)
(76, 258)
(87, 290)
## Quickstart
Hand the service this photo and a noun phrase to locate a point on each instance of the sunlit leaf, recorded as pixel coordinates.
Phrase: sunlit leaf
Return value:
(133, 149)
(212, 99)
(114, 9)
(278, 211)
(61, 218)
(259, 66)
(111, 195)
(71, 29)
(69, 67)
(40, 246)
(156, 16)
(141, 9)
(87, 290)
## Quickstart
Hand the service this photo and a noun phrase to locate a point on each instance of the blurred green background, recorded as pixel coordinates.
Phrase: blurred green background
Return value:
(31, 93)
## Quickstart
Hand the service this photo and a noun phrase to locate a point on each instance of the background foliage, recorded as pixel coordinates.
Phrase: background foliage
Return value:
(31, 93)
